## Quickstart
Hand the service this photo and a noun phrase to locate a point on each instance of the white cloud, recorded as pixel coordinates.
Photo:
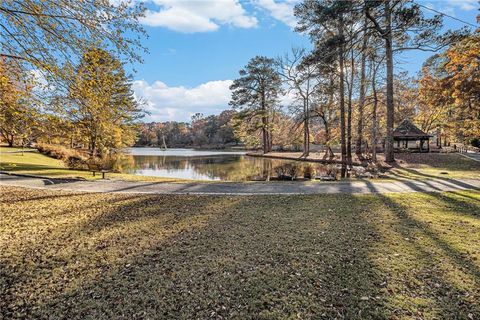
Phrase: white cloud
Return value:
(180, 103)
(465, 5)
(451, 7)
(280, 10)
(198, 16)
(40, 82)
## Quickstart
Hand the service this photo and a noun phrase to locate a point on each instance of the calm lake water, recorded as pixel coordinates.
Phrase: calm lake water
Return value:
(201, 164)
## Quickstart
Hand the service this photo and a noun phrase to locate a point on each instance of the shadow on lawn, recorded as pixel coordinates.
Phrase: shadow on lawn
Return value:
(14, 167)
(420, 176)
(184, 257)
(28, 198)
(442, 161)
(438, 261)
(246, 258)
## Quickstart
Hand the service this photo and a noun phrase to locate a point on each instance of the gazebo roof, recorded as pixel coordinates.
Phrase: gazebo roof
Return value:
(406, 129)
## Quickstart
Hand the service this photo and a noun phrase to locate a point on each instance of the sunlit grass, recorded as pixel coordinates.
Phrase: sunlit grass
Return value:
(103, 256)
(35, 163)
(435, 165)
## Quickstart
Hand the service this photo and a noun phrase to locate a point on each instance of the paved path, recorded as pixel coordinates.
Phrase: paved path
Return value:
(253, 188)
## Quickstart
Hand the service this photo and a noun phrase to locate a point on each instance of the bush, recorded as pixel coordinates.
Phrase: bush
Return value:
(475, 142)
(329, 170)
(287, 171)
(112, 162)
(76, 162)
(309, 171)
(72, 158)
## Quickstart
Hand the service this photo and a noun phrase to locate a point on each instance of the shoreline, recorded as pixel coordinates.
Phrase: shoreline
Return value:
(292, 158)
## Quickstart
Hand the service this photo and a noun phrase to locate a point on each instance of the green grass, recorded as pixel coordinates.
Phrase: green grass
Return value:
(435, 165)
(38, 164)
(113, 256)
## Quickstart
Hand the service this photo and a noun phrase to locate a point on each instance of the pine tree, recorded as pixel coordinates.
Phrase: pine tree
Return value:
(325, 21)
(255, 94)
(393, 21)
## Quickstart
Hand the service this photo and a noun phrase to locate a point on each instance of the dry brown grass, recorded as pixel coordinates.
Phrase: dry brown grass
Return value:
(112, 256)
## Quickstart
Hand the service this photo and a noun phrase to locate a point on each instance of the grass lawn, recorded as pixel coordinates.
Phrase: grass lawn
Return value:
(435, 165)
(113, 256)
(38, 164)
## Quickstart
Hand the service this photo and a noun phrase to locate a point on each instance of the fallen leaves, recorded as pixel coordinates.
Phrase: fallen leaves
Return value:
(103, 256)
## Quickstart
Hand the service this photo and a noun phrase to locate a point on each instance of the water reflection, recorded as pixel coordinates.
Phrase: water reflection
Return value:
(224, 166)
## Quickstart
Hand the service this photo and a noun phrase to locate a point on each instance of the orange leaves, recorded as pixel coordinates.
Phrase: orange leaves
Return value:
(452, 88)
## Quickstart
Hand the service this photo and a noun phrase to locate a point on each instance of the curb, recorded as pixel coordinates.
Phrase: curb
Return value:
(40, 177)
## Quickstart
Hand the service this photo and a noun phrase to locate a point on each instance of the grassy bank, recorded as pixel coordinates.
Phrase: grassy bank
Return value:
(410, 165)
(38, 164)
(105, 256)
(435, 165)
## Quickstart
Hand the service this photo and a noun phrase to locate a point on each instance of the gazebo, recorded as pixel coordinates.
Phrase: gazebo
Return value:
(407, 132)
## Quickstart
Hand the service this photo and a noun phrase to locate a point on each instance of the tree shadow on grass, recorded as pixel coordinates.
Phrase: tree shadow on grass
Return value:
(443, 180)
(465, 207)
(251, 257)
(466, 196)
(23, 198)
(463, 203)
(90, 239)
(450, 162)
(437, 258)
(184, 257)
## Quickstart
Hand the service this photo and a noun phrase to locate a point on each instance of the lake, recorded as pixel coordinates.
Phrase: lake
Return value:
(193, 164)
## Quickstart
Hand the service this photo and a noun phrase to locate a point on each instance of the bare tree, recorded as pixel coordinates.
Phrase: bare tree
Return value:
(300, 81)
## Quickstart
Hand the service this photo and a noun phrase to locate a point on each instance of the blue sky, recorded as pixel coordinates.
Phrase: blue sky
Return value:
(197, 47)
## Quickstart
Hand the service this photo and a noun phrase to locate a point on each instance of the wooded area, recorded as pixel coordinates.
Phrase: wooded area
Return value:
(347, 87)
(70, 88)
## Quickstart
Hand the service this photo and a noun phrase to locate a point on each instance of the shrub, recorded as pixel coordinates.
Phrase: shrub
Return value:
(112, 162)
(54, 151)
(475, 142)
(72, 158)
(287, 171)
(76, 162)
(309, 171)
(329, 170)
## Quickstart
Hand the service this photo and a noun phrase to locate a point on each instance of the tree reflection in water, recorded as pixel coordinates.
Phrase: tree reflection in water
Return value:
(224, 167)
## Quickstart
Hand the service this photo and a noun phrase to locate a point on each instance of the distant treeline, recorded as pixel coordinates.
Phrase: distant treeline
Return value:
(214, 131)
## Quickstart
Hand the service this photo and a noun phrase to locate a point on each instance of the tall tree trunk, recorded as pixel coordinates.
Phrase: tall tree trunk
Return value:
(328, 150)
(342, 99)
(265, 138)
(349, 111)
(306, 130)
(389, 155)
(269, 130)
(374, 113)
(11, 140)
(361, 99)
